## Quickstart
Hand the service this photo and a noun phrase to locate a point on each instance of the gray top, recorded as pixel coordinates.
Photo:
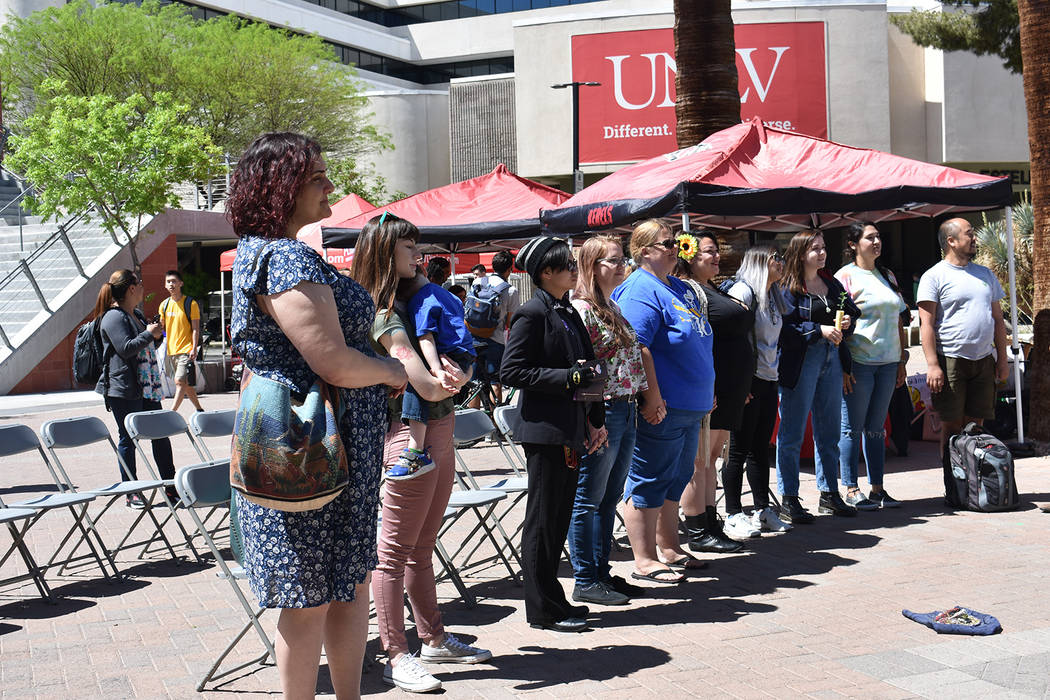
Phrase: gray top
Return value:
(768, 323)
(509, 304)
(964, 298)
(126, 335)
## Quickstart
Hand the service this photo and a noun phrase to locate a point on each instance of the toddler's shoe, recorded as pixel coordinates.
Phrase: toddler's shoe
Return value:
(410, 464)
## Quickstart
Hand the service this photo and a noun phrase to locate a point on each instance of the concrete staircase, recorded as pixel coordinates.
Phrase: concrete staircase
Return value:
(10, 190)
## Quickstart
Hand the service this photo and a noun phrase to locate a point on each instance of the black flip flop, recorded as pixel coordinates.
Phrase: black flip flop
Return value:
(687, 563)
(652, 576)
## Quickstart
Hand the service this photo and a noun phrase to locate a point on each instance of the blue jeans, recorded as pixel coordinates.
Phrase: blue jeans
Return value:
(598, 490)
(819, 389)
(864, 419)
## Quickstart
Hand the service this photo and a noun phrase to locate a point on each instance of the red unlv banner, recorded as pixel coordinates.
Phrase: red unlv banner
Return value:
(631, 115)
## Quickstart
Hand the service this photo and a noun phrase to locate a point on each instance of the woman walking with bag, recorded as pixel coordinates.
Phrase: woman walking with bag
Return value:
(879, 360)
(549, 356)
(301, 325)
(385, 264)
(130, 380)
(602, 474)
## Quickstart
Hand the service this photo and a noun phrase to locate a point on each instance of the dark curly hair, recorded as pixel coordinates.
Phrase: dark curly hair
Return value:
(264, 185)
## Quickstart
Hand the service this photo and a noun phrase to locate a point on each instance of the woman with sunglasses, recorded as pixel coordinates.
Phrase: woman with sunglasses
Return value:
(549, 356)
(676, 352)
(757, 285)
(879, 359)
(602, 267)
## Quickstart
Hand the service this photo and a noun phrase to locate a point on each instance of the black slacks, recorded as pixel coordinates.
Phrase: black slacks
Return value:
(548, 509)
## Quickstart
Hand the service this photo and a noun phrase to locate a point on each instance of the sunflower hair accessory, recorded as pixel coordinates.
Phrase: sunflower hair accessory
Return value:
(687, 246)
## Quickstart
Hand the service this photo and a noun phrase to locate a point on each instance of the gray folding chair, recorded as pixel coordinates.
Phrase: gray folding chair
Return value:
(217, 423)
(470, 423)
(19, 439)
(504, 417)
(74, 433)
(207, 485)
(156, 425)
(27, 517)
(214, 424)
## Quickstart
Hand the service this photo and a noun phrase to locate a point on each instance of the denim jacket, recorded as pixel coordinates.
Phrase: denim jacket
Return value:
(800, 331)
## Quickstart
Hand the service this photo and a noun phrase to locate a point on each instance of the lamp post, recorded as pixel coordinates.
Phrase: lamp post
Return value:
(577, 175)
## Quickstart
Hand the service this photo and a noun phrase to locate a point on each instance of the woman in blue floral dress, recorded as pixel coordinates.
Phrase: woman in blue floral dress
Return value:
(295, 318)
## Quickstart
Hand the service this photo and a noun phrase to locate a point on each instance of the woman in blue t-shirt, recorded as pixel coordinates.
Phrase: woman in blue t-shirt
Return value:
(676, 353)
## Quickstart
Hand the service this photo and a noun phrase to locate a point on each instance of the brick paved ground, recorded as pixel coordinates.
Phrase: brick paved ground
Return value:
(814, 612)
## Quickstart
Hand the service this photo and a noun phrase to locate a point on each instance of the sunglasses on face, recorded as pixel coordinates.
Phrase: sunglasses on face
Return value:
(615, 262)
(777, 257)
(667, 243)
(572, 266)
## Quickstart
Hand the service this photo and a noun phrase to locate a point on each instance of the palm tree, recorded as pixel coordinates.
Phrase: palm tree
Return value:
(706, 81)
(1035, 27)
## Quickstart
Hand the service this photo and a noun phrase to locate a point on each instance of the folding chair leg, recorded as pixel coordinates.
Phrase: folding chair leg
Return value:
(158, 532)
(35, 572)
(499, 519)
(185, 535)
(85, 537)
(453, 574)
(269, 653)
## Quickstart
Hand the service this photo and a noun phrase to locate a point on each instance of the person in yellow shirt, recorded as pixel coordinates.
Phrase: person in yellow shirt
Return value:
(183, 338)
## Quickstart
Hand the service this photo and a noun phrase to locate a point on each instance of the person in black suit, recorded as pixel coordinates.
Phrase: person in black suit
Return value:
(546, 347)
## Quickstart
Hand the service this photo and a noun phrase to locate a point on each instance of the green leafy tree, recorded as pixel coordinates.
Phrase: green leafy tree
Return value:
(983, 27)
(349, 177)
(238, 78)
(116, 157)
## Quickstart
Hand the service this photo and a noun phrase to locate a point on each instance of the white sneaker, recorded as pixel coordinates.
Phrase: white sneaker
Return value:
(453, 651)
(767, 519)
(739, 527)
(410, 675)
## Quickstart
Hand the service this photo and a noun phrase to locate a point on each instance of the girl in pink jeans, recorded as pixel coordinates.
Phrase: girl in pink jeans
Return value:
(412, 509)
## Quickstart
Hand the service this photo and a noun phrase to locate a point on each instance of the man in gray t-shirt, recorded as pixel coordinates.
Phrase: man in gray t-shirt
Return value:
(962, 331)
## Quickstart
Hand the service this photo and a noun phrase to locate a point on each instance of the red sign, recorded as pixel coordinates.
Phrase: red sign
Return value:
(631, 115)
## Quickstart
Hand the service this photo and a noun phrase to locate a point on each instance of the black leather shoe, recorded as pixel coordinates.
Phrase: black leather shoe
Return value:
(569, 624)
(791, 511)
(621, 585)
(831, 503)
(579, 611)
(600, 594)
(714, 539)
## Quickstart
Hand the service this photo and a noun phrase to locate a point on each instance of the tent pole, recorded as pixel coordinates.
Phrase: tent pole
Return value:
(1015, 343)
(685, 222)
(222, 323)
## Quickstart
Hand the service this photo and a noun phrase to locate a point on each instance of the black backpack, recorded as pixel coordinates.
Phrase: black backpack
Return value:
(482, 308)
(88, 357)
(980, 475)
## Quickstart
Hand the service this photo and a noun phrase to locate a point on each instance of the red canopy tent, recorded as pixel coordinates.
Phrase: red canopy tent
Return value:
(751, 176)
(754, 177)
(500, 207)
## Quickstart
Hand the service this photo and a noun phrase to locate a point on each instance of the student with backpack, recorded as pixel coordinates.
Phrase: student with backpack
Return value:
(491, 302)
(181, 317)
(130, 379)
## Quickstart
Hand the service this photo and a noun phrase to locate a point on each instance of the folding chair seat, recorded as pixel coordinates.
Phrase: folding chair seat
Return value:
(75, 433)
(27, 517)
(19, 439)
(207, 485)
(156, 425)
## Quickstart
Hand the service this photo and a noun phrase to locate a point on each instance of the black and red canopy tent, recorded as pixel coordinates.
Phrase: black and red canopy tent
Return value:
(758, 178)
(492, 211)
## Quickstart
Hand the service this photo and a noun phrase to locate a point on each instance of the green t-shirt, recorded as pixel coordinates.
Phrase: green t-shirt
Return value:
(389, 323)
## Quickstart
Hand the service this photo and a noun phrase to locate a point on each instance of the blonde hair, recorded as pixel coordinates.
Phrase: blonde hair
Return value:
(646, 234)
(587, 288)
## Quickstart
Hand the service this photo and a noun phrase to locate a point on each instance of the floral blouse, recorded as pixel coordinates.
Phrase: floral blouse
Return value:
(626, 374)
(149, 374)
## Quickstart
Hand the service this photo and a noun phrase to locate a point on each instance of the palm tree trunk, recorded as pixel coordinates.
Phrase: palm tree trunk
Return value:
(1035, 27)
(706, 81)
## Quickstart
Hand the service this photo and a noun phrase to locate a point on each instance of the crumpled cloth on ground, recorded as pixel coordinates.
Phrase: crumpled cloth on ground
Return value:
(957, 620)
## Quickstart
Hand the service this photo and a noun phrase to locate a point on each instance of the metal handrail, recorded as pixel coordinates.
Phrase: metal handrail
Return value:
(22, 268)
(26, 191)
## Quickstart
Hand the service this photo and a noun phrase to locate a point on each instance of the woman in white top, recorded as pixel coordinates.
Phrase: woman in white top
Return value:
(879, 359)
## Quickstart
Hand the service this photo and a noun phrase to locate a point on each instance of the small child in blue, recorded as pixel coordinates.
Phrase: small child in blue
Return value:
(437, 316)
